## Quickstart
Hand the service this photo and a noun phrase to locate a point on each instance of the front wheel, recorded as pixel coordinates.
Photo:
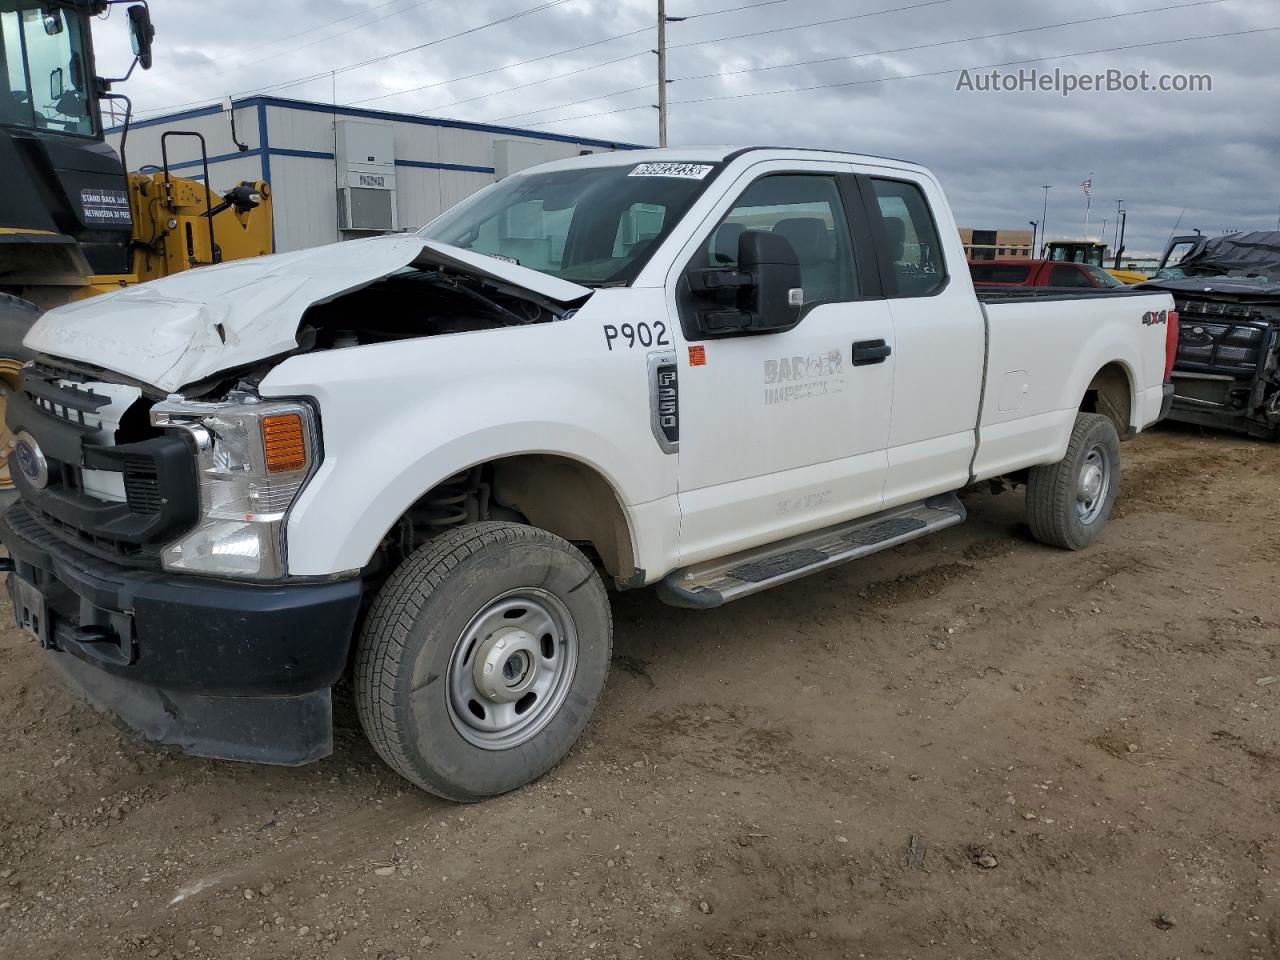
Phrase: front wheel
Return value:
(1068, 502)
(16, 317)
(482, 658)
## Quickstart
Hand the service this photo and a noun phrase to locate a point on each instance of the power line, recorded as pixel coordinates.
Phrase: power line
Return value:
(574, 103)
(234, 69)
(528, 11)
(511, 66)
(989, 66)
(845, 57)
(548, 56)
(557, 76)
(944, 43)
(333, 36)
(697, 43)
(814, 23)
(745, 6)
(914, 76)
(302, 33)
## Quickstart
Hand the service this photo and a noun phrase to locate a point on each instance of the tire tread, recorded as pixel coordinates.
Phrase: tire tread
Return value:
(387, 626)
(1051, 488)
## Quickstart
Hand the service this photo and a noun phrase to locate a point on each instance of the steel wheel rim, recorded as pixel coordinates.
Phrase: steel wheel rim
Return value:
(10, 369)
(1093, 484)
(511, 669)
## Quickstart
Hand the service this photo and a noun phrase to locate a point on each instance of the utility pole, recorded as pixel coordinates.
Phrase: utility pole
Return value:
(662, 73)
(1119, 204)
(663, 20)
(1044, 215)
(1034, 225)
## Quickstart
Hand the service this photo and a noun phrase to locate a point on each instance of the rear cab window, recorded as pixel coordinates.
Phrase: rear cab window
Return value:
(910, 240)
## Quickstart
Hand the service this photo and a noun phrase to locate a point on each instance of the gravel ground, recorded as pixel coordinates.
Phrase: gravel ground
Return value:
(972, 746)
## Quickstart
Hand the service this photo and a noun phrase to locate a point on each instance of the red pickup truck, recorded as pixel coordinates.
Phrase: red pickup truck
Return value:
(1039, 273)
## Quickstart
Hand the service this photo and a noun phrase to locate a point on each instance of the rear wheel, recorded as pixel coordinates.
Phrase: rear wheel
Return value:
(16, 317)
(482, 658)
(1068, 502)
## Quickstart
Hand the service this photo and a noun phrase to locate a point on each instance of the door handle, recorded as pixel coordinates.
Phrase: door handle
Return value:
(866, 352)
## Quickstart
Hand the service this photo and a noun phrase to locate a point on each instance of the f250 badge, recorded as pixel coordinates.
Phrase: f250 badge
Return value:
(1152, 317)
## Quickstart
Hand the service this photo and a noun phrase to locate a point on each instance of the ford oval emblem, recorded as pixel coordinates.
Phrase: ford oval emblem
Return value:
(30, 460)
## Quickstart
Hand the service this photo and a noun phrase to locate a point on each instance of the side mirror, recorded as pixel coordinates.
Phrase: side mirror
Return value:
(142, 33)
(763, 295)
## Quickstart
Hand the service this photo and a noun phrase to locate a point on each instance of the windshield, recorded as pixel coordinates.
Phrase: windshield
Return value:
(592, 225)
(44, 76)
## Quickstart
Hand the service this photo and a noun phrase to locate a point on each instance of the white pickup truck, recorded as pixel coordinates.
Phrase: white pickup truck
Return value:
(419, 458)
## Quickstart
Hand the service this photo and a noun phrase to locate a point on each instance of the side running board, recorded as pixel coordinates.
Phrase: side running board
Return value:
(717, 582)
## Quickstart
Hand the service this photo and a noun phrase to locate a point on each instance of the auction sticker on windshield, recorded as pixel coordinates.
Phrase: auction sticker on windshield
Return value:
(685, 171)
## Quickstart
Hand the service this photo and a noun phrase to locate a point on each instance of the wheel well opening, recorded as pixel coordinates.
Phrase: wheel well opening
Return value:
(571, 500)
(1110, 394)
(556, 494)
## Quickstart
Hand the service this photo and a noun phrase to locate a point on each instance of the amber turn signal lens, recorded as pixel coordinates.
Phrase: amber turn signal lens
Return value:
(283, 443)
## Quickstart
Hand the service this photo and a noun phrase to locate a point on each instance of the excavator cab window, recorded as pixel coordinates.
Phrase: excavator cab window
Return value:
(44, 82)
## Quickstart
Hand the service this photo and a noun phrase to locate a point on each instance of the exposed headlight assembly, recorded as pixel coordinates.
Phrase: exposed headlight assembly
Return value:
(253, 458)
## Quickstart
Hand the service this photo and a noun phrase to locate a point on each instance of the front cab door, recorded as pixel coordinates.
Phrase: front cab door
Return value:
(785, 432)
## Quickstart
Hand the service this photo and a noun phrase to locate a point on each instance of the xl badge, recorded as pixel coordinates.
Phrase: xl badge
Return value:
(30, 459)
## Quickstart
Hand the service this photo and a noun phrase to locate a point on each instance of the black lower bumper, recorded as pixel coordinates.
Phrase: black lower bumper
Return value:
(229, 670)
(1166, 402)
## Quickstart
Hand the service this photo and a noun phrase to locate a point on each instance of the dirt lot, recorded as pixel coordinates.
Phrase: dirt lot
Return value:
(1085, 748)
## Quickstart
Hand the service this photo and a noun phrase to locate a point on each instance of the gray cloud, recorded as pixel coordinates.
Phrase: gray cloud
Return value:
(1214, 154)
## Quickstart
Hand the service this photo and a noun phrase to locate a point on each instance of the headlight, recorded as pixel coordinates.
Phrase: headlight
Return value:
(253, 457)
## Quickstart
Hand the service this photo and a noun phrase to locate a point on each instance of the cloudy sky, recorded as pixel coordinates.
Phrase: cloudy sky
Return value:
(886, 70)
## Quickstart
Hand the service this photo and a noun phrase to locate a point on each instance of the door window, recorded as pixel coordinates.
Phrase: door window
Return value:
(44, 82)
(807, 210)
(914, 249)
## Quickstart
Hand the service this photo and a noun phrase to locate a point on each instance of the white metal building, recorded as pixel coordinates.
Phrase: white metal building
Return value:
(342, 172)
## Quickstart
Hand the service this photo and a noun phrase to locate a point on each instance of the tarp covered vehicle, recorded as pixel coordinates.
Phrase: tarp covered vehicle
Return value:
(1227, 291)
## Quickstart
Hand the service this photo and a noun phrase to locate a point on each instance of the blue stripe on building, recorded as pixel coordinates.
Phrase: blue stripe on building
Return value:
(262, 102)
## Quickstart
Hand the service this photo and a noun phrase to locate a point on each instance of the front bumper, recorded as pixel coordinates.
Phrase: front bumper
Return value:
(227, 670)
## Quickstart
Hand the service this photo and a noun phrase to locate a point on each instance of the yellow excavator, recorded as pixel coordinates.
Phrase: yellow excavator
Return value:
(73, 222)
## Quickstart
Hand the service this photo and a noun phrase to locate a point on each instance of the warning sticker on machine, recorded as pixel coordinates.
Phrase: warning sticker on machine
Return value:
(685, 171)
(105, 206)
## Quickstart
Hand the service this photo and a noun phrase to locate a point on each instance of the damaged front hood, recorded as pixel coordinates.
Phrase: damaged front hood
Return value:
(185, 328)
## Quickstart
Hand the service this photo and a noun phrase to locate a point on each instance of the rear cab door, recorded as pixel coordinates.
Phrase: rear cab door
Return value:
(939, 331)
(781, 433)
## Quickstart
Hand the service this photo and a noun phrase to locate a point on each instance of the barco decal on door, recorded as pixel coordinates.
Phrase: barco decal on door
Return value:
(801, 378)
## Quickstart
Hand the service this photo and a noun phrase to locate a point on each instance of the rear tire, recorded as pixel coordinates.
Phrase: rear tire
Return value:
(16, 317)
(482, 658)
(1068, 502)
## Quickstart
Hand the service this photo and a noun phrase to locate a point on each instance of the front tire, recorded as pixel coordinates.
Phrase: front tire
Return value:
(1068, 502)
(16, 317)
(482, 658)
